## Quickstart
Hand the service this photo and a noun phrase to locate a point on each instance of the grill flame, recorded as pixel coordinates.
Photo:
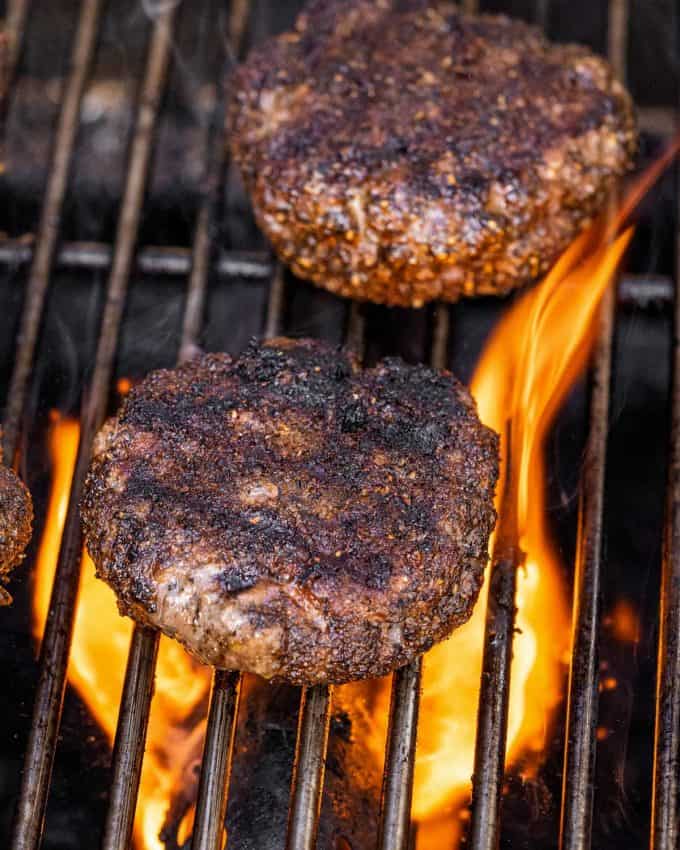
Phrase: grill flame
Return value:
(527, 368)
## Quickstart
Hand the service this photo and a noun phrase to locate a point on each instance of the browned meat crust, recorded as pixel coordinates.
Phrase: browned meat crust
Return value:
(401, 151)
(16, 520)
(289, 514)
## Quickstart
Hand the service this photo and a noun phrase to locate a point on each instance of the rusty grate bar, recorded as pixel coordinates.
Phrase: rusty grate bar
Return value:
(665, 824)
(57, 639)
(50, 216)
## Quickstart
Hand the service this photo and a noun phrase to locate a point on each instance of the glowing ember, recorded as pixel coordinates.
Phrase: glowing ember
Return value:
(97, 666)
(123, 386)
(624, 622)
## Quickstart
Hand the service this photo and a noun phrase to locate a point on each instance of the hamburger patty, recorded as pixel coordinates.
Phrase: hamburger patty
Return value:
(16, 520)
(289, 514)
(401, 151)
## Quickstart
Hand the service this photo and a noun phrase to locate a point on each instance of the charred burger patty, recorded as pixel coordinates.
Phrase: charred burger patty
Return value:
(290, 514)
(401, 151)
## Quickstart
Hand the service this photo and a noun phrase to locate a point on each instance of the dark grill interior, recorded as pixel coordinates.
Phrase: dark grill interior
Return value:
(128, 242)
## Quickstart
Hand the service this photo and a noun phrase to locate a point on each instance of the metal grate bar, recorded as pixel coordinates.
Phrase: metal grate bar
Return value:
(638, 289)
(356, 330)
(276, 303)
(309, 767)
(128, 750)
(582, 701)
(158, 260)
(617, 36)
(17, 14)
(203, 249)
(57, 639)
(50, 216)
(494, 692)
(395, 817)
(579, 754)
(645, 290)
(664, 832)
(440, 336)
(213, 789)
(400, 756)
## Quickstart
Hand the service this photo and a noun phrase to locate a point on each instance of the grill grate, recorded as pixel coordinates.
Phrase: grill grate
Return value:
(198, 265)
(665, 806)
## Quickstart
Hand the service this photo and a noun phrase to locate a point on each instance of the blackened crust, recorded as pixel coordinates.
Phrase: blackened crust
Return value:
(16, 521)
(291, 515)
(401, 151)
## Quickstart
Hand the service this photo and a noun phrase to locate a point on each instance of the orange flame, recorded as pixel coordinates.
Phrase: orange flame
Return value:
(101, 640)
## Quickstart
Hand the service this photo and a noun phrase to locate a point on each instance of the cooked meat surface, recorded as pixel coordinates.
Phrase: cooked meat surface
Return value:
(16, 519)
(289, 514)
(401, 151)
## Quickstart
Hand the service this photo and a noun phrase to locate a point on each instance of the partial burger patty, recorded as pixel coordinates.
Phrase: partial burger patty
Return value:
(16, 520)
(289, 514)
(400, 151)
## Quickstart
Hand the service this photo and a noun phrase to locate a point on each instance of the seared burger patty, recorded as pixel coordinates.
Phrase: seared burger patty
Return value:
(16, 520)
(289, 514)
(401, 151)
